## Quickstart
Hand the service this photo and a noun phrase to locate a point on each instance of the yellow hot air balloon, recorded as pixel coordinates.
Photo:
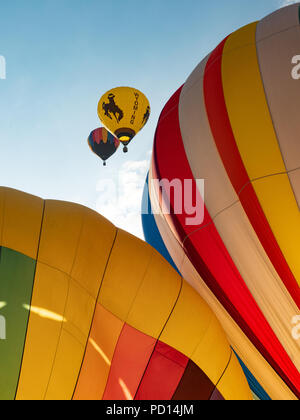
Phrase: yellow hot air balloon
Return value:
(124, 111)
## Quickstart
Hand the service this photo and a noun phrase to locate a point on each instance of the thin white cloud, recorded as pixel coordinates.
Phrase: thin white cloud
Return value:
(120, 200)
(284, 3)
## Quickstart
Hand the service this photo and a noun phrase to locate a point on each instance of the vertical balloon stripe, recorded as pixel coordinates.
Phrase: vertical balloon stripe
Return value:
(262, 159)
(130, 361)
(242, 84)
(275, 56)
(219, 121)
(44, 327)
(58, 245)
(173, 245)
(225, 142)
(21, 216)
(106, 330)
(101, 320)
(16, 283)
(277, 42)
(78, 313)
(194, 385)
(210, 257)
(105, 135)
(200, 147)
(164, 372)
(175, 168)
(95, 136)
(254, 384)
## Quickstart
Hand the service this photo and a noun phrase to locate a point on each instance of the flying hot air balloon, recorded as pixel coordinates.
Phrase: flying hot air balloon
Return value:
(85, 320)
(124, 111)
(103, 143)
(235, 123)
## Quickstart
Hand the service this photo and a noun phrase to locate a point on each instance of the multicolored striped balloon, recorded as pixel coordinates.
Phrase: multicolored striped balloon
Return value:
(103, 143)
(92, 312)
(235, 123)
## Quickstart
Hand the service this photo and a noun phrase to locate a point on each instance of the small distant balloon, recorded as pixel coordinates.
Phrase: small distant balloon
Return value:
(124, 111)
(103, 143)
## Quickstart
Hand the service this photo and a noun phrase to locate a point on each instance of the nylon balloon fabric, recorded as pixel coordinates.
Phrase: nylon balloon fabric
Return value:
(235, 124)
(94, 313)
(103, 143)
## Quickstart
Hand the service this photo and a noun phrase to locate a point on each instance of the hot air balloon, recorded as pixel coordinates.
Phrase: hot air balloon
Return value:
(235, 124)
(124, 111)
(103, 143)
(94, 313)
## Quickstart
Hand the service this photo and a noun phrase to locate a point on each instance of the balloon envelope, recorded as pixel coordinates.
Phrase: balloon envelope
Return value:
(153, 237)
(92, 312)
(124, 111)
(235, 124)
(103, 143)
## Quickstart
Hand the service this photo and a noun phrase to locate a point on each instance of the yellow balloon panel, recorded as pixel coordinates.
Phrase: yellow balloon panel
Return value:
(124, 111)
(21, 223)
(229, 386)
(47, 309)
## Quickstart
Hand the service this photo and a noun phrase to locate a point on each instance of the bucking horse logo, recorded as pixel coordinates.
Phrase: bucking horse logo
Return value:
(146, 116)
(111, 108)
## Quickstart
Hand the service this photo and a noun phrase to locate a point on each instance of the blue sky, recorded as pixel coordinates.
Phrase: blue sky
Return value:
(62, 55)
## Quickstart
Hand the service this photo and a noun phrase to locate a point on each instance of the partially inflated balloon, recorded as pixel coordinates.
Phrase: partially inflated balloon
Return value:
(91, 312)
(235, 123)
(124, 111)
(103, 143)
